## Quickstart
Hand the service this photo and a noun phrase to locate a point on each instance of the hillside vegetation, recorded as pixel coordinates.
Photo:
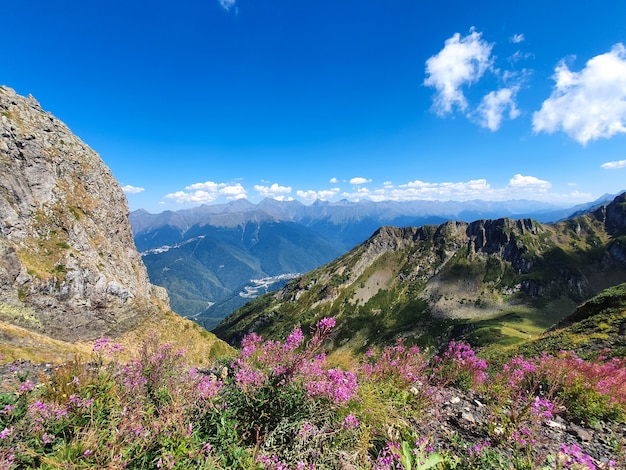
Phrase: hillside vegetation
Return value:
(286, 405)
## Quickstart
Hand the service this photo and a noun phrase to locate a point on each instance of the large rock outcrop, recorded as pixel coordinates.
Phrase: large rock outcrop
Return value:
(68, 263)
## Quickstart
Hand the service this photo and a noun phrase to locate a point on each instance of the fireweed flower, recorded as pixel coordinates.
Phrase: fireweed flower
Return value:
(26, 387)
(327, 323)
(75, 381)
(6, 432)
(542, 407)
(102, 345)
(572, 455)
(8, 409)
(294, 340)
(350, 422)
(478, 448)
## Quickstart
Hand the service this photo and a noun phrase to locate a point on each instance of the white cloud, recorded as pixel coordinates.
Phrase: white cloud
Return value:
(528, 182)
(517, 38)
(441, 191)
(494, 105)
(358, 195)
(359, 180)
(519, 186)
(207, 192)
(274, 191)
(227, 4)
(333, 181)
(614, 165)
(463, 60)
(128, 189)
(312, 196)
(590, 104)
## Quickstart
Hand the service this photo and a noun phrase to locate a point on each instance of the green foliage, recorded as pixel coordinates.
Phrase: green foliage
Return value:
(261, 411)
(587, 404)
(76, 212)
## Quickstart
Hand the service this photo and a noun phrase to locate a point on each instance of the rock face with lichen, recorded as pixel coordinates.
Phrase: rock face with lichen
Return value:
(68, 263)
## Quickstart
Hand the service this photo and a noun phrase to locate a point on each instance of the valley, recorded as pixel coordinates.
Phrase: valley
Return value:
(205, 256)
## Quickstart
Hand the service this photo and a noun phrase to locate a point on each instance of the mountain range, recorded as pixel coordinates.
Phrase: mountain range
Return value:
(489, 282)
(212, 259)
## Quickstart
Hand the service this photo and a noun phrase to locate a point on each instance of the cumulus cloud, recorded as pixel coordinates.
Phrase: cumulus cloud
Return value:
(462, 61)
(519, 186)
(441, 191)
(590, 104)
(312, 196)
(227, 4)
(359, 180)
(614, 165)
(494, 106)
(128, 189)
(207, 192)
(517, 38)
(528, 182)
(275, 191)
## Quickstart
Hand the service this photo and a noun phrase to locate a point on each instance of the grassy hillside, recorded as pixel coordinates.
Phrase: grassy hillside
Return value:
(201, 346)
(596, 328)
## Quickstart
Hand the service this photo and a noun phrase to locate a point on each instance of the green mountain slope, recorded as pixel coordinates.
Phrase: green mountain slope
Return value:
(500, 281)
(213, 264)
(597, 327)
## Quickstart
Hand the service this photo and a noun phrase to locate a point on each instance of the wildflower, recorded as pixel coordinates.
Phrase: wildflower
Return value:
(47, 438)
(100, 344)
(6, 432)
(478, 448)
(88, 452)
(206, 447)
(571, 455)
(26, 386)
(294, 339)
(350, 422)
(74, 381)
(326, 323)
(542, 407)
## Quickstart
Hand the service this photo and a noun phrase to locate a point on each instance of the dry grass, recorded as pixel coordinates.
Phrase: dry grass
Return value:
(20, 343)
(168, 327)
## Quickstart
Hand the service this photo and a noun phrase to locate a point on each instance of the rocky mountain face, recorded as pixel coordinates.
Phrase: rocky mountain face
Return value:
(68, 263)
(488, 280)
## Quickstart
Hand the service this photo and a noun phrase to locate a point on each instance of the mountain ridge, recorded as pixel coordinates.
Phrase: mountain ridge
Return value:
(457, 275)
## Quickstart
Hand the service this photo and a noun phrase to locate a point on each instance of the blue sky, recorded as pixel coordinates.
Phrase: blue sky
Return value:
(205, 101)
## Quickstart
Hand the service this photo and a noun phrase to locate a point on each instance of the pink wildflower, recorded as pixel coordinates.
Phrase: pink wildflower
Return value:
(350, 422)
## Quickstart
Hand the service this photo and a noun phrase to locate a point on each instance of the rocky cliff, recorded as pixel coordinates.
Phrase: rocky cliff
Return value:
(68, 263)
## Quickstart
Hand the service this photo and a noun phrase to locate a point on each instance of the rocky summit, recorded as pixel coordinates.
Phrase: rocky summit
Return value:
(68, 263)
